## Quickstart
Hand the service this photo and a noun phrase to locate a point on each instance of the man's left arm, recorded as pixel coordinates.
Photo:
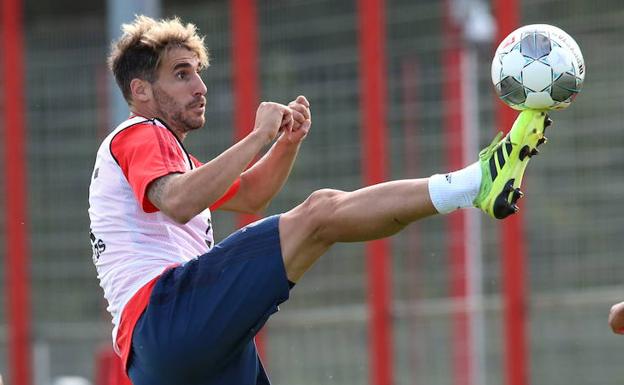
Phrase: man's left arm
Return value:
(261, 182)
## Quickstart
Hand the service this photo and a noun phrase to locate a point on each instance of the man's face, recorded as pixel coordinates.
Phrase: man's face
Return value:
(179, 91)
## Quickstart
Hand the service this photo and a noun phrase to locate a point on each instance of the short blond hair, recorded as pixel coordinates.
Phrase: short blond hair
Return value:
(139, 51)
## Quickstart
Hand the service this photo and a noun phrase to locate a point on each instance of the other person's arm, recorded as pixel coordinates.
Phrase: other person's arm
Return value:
(616, 318)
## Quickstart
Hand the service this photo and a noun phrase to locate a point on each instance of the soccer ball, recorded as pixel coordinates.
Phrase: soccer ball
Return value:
(538, 66)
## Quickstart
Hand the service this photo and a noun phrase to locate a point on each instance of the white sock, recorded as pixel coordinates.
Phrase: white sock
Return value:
(455, 190)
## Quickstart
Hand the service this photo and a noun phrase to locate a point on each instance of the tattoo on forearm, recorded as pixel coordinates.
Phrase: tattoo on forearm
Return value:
(156, 189)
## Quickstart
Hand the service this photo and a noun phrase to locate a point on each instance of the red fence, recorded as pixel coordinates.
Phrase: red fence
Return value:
(383, 78)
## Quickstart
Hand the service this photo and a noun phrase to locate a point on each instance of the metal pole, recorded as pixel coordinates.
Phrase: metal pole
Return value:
(474, 255)
(16, 190)
(517, 357)
(120, 12)
(246, 85)
(477, 28)
(453, 123)
(373, 112)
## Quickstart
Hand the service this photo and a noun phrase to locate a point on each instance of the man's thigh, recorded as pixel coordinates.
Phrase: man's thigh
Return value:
(206, 312)
(244, 368)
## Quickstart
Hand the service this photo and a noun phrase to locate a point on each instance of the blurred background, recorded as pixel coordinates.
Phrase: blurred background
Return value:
(399, 89)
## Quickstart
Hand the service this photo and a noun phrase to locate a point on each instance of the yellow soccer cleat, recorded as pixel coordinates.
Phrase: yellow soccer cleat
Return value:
(503, 163)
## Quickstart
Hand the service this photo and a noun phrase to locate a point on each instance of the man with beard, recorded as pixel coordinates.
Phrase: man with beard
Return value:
(185, 311)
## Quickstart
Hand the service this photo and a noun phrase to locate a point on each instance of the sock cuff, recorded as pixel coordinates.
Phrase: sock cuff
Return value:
(455, 190)
(438, 187)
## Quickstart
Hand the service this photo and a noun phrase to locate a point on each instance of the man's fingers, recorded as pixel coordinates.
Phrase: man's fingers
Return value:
(301, 108)
(286, 112)
(294, 117)
(287, 119)
(302, 100)
(298, 116)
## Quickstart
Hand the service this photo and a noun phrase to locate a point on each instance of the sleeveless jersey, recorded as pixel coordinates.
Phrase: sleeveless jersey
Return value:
(132, 241)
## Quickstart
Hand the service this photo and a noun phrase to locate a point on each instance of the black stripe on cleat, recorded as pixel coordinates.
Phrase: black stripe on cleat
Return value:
(524, 152)
(502, 208)
(501, 157)
(508, 146)
(493, 171)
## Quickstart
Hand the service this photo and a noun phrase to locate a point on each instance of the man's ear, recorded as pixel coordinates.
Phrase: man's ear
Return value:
(141, 90)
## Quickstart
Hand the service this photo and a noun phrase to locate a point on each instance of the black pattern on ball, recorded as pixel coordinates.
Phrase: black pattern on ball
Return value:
(564, 87)
(535, 45)
(511, 90)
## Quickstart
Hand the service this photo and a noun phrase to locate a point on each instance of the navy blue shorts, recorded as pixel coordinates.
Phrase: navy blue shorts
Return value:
(199, 325)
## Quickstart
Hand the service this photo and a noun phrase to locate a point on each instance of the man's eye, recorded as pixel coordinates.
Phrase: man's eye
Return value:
(181, 75)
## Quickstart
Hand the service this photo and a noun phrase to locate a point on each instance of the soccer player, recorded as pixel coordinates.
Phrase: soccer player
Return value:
(185, 311)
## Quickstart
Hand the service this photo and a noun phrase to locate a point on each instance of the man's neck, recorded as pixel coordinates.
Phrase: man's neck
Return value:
(181, 135)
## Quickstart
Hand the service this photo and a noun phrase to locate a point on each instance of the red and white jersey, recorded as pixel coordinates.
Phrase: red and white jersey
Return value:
(133, 242)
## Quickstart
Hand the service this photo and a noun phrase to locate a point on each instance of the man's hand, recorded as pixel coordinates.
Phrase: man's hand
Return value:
(301, 121)
(616, 318)
(271, 118)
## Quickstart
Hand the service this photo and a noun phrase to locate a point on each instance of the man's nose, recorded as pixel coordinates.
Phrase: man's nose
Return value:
(200, 88)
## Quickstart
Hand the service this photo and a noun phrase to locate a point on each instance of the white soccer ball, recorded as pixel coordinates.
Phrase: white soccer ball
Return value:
(538, 66)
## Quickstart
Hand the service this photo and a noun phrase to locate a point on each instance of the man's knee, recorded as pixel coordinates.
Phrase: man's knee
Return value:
(319, 208)
(306, 231)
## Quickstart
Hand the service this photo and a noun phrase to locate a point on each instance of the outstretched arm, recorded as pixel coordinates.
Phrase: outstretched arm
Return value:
(616, 318)
(261, 182)
(182, 196)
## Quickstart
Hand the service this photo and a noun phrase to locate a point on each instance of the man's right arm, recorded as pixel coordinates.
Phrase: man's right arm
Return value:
(181, 196)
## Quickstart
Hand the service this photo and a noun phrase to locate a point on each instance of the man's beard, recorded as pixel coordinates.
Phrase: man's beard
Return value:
(173, 114)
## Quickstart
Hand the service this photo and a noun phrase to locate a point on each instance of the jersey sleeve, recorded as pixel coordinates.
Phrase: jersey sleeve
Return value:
(146, 152)
(227, 196)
